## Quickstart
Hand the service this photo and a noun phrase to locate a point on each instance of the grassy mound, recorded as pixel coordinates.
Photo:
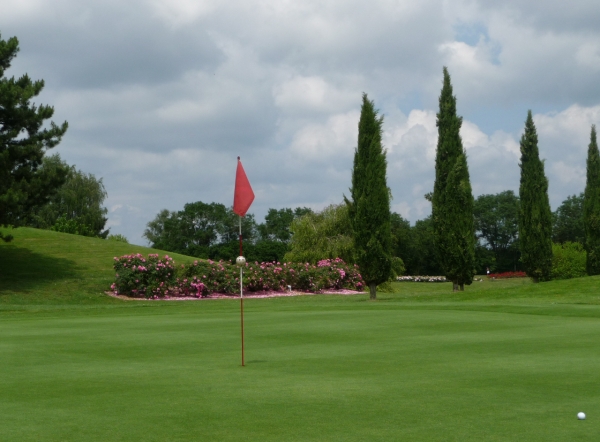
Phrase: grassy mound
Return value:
(46, 267)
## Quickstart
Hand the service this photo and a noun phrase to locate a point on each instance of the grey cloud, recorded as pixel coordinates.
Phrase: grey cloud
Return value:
(550, 15)
(161, 96)
(116, 45)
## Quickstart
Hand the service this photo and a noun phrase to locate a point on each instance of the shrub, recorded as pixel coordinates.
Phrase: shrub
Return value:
(118, 237)
(568, 260)
(385, 287)
(140, 277)
(327, 274)
(398, 268)
(155, 278)
(217, 276)
(73, 226)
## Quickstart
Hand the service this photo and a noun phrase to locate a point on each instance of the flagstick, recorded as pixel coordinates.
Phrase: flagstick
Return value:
(242, 198)
(242, 294)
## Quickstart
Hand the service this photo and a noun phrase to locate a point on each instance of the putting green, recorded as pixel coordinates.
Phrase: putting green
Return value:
(322, 368)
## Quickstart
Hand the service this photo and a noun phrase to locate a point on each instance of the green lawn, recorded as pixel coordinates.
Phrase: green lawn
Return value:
(503, 361)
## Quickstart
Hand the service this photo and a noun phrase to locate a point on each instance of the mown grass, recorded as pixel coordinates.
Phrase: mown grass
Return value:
(41, 267)
(503, 361)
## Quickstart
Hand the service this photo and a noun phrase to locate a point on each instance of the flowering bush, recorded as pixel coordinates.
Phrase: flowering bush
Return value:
(506, 275)
(140, 277)
(421, 279)
(155, 278)
(327, 274)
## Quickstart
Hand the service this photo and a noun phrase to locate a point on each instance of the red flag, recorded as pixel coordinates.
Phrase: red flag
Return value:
(243, 196)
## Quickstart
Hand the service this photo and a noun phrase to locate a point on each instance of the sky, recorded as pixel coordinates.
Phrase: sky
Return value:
(162, 96)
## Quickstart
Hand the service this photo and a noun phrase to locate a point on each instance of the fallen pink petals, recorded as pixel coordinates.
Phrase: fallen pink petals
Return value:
(251, 295)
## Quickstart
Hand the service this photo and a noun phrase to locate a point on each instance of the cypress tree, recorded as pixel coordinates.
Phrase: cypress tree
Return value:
(369, 209)
(591, 207)
(452, 199)
(535, 217)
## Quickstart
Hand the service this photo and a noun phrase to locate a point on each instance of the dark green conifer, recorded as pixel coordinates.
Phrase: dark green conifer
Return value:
(591, 207)
(535, 217)
(452, 199)
(25, 137)
(369, 208)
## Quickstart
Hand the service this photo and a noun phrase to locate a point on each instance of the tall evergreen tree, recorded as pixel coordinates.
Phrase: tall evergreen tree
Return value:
(369, 209)
(452, 199)
(591, 207)
(535, 216)
(23, 143)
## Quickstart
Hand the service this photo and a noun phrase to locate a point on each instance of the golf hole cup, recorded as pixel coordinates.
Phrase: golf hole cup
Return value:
(240, 261)
(581, 415)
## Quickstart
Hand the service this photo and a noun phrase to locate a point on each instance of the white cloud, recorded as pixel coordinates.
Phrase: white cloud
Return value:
(570, 127)
(311, 94)
(325, 142)
(569, 174)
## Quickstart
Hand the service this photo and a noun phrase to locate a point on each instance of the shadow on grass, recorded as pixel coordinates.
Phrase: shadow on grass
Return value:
(22, 270)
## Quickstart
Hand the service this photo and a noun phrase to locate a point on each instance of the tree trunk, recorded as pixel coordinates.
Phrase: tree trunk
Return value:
(535, 279)
(373, 291)
(462, 287)
(454, 286)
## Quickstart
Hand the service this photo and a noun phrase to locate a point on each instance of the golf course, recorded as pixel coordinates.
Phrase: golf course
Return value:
(505, 360)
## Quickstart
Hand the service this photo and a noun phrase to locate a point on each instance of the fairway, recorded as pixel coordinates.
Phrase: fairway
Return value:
(318, 368)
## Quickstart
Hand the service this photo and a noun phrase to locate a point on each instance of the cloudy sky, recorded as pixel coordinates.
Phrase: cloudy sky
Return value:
(161, 96)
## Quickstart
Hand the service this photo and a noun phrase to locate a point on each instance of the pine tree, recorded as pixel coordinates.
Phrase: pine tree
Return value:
(535, 217)
(591, 207)
(369, 209)
(23, 143)
(452, 199)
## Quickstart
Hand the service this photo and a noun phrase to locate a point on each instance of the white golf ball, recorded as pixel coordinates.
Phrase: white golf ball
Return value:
(581, 415)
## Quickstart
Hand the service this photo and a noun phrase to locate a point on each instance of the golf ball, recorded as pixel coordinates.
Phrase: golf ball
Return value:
(581, 415)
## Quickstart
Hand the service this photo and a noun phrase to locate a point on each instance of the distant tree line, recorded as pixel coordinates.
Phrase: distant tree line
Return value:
(211, 230)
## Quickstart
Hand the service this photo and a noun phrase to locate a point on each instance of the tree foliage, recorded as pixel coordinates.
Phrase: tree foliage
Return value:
(497, 226)
(23, 142)
(401, 237)
(421, 258)
(369, 208)
(535, 217)
(452, 199)
(199, 227)
(322, 235)
(567, 221)
(277, 224)
(212, 231)
(77, 205)
(568, 260)
(591, 207)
